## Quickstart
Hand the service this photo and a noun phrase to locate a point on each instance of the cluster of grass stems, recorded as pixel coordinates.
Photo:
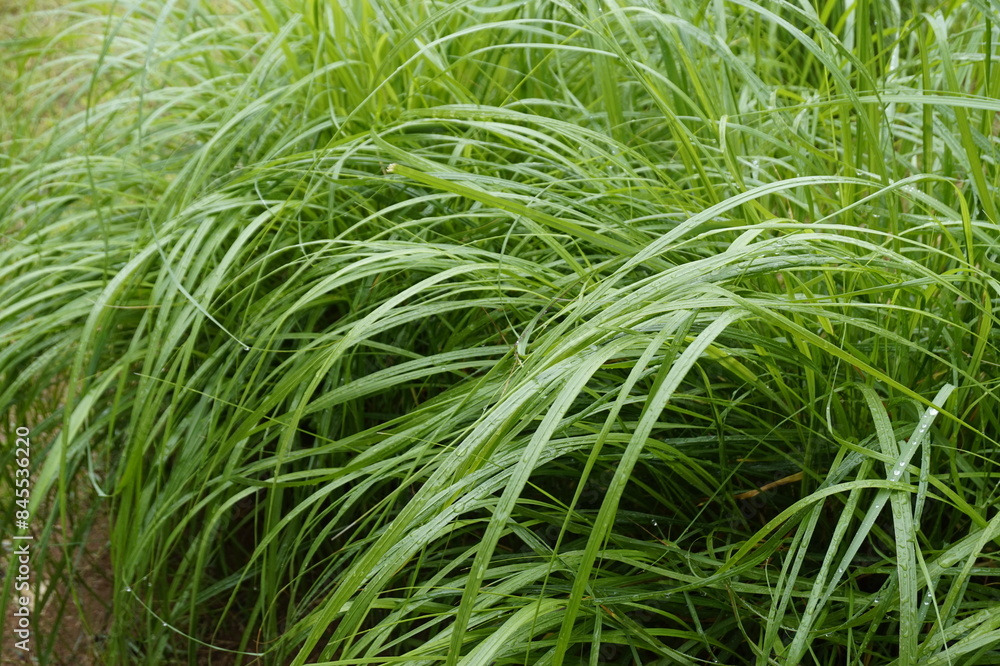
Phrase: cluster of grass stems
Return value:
(510, 331)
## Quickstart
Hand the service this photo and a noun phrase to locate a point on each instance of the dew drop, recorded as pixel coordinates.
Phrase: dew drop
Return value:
(128, 589)
(164, 624)
(932, 412)
(245, 348)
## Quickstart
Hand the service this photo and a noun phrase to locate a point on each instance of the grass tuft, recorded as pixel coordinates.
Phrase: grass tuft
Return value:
(509, 332)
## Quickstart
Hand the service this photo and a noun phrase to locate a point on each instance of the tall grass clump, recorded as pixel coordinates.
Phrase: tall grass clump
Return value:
(491, 332)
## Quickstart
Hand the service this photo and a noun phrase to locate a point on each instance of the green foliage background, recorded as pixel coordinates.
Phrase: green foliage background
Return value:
(469, 332)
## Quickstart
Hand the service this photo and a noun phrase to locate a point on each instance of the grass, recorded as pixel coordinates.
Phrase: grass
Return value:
(511, 333)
